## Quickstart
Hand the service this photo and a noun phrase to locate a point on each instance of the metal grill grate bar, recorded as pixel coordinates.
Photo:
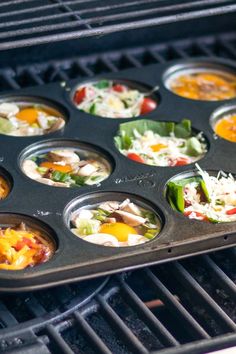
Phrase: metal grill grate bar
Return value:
(220, 276)
(170, 301)
(6, 318)
(58, 340)
(185, 278)
(125, 333)
(110, 17)
(91, 335)
(147, 316)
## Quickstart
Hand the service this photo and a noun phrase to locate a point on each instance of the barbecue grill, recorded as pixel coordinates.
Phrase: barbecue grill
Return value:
(186, 306)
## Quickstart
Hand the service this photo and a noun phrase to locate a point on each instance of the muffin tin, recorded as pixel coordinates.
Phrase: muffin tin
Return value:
(49, 207)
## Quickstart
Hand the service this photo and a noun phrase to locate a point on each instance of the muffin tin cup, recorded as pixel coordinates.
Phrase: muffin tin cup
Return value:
(76, 259)
(131, 84)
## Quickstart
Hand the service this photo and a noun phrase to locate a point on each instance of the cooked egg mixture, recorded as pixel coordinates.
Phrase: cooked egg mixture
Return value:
(22, 247)
(221, 206)
(210, 86)
(115, 224)
(22, 120)
(226, 128)
(156, 150)
(4, 188)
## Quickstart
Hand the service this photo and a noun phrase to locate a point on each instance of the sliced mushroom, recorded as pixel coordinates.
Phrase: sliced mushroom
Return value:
(8, 110)
(130, 219)
(124, 204)
(68, 156)
(49, 182)
(30, 169)
(102, 239)
(132, 208)
(83, 214)
(43, 121)
(58, 124)
(136, 240)
(87, 170)
(109, 206)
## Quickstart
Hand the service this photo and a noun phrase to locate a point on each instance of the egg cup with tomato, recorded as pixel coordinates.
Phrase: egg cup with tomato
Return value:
(106, 98)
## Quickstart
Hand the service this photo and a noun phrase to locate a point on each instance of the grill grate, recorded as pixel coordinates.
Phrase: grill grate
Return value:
(38, 74)
(31, 22)
(184, 304)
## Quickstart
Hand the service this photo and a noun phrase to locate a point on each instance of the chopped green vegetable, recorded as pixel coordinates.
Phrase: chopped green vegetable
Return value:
(150, 233)
(193, 147)
(5, 126)
(175, 195)
(87, 227)
(102, 84)
(58, 176)
(175, 191)
(204, 189)
(123, 141)
(92, 109)
(42, 170)
(79, 180)
(181, 130)
(103, 212)
(149, 216)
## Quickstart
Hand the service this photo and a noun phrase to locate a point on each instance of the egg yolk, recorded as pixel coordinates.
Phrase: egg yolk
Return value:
(226, 128)
(118, 229)
(158, 147)
(29, 115)
(56, 167)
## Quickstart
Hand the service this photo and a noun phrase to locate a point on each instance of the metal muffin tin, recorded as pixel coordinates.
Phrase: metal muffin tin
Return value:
(75, 259)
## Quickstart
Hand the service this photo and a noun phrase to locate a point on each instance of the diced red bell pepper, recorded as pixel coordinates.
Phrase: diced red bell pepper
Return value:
(148, 105)
(25, 242)
(199, 215)
(80, 95)
(231, 211)
(135, 157)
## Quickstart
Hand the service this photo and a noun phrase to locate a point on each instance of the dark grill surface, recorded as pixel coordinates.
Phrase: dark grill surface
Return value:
(180, 307)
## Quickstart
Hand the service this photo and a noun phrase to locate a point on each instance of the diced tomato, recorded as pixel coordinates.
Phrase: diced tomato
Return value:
(148, 105)
(135, 157)
(80, 95)
(199, 215)
(181, 161)
(119, 88)
(231, 211)
(25, 242)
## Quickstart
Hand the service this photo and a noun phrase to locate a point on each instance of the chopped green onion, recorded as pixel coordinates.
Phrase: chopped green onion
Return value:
(58, 176)
(79, 180)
